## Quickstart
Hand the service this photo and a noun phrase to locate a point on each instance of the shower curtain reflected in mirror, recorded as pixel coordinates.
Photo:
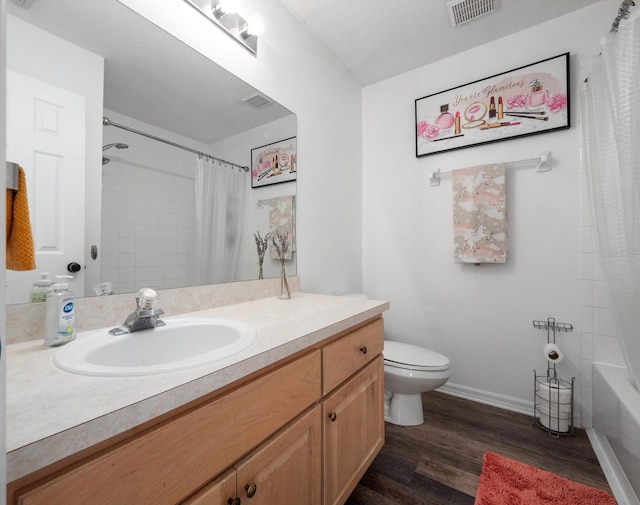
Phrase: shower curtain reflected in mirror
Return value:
(611, 140)
(221, 193)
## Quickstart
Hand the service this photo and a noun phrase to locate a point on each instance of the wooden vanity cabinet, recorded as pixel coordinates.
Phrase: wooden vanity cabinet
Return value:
(303, 432)
(167, 463)
(353, 431)
(353, 412)
(222, 491)
(285, 469)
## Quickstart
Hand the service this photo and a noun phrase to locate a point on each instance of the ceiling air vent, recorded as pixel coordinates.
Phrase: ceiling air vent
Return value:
(462, 11)
(257, 100)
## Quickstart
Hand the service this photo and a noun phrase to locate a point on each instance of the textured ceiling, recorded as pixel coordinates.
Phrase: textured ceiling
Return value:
(378, 39)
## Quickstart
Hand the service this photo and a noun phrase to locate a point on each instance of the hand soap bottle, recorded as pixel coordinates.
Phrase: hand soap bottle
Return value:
(60, 325)
(41, 288)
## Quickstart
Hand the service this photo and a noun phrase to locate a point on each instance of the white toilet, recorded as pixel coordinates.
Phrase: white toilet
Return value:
(409, 371)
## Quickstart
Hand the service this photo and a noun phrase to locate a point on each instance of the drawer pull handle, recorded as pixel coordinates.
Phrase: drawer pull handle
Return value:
(363, 350)
(251, 490)
(234, 501)
(333, 416)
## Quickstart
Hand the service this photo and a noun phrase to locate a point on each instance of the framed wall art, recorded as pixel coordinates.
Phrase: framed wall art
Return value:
(274, 163)
(525, 101)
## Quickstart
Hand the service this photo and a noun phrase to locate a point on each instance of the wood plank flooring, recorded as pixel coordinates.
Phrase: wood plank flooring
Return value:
(439, 463)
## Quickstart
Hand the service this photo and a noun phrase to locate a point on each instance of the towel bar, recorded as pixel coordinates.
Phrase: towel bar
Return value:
(542, 164)
(12, 175)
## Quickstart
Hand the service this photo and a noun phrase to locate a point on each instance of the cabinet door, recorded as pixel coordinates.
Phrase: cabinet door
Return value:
(353, 420)
(221, 491)
(286, 468)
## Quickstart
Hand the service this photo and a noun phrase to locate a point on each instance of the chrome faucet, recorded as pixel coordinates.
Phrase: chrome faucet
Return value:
(144, 317)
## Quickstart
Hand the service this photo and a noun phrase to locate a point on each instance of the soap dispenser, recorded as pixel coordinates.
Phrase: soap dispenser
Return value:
(60, 325)
(41, 288)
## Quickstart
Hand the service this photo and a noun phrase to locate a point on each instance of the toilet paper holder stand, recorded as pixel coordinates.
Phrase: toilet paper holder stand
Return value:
(553, 397)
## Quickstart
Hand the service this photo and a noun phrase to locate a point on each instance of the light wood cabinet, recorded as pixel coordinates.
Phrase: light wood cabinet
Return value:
(285, 469)
(222, 491)
(353, 420)
(271, 436)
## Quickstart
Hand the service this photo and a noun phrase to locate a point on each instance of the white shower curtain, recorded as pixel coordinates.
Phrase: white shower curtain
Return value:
(611, 140)
(220, 199)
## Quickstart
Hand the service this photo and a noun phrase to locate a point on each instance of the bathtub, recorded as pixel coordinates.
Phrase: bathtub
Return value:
(615, 435)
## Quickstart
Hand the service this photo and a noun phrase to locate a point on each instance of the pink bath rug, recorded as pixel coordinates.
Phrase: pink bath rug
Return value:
(507, 482)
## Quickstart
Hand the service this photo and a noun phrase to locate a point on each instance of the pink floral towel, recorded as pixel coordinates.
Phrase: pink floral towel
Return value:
(479, 215)
(282, 220)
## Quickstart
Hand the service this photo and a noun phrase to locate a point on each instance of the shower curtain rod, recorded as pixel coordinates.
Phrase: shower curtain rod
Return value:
(107, 122)
(623, 13)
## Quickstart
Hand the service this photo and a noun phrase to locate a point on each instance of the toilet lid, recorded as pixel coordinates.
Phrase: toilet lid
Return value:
(413, 357)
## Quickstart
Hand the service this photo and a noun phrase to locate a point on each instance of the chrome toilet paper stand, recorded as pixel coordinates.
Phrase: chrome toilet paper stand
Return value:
(559, 410)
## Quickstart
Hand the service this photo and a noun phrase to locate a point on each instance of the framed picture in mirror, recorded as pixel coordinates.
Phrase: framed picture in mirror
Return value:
(525, 101)
(274, 163)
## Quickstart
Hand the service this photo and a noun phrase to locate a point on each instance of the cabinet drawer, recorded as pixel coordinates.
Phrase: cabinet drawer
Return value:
(165, 465)
(343, 358)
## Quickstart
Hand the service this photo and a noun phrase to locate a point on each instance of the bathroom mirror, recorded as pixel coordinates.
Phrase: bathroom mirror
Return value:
(155, 84)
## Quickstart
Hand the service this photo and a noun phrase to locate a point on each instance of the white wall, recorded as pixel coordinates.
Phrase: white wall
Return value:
(479, 316)
(238, 150)
(295, 70)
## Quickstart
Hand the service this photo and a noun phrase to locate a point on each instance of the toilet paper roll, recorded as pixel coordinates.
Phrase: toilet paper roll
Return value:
(552, 353)
(555, 393)
(554, 420)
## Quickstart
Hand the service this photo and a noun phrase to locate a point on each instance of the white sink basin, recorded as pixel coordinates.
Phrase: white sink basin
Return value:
(181, 344)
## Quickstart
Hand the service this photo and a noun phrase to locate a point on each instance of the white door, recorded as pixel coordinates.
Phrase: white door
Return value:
(46, 137)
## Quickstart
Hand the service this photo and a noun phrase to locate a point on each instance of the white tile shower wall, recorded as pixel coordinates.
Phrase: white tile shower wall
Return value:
(599, 342)
(147, 209)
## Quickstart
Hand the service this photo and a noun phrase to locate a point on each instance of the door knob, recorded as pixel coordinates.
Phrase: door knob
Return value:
(234, 501)
(363, 350)
(333, 416)
(74, 267)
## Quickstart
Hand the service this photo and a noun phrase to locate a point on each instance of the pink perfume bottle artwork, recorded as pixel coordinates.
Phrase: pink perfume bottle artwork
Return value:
(445, 119)
(537, 96)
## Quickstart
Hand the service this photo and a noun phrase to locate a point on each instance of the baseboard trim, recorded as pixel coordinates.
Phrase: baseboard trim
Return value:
(497, 400)
(488, 398)
(617, 479)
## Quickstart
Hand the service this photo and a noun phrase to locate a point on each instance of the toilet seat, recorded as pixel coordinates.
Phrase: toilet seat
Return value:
(412, 357)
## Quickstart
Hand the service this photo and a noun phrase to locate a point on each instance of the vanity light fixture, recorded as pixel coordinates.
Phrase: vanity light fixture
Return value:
(224, 7)
(255, 27)
(224, 15)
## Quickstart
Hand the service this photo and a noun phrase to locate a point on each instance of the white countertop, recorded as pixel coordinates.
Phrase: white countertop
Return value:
(52, 414)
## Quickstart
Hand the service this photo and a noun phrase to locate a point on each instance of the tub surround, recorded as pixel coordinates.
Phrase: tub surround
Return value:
(52, 414)
(615, 436)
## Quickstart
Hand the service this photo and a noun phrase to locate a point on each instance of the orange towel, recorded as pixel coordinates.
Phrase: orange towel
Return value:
(20, 252)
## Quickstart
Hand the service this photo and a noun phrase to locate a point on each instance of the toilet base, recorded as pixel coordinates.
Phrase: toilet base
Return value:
(404, 410)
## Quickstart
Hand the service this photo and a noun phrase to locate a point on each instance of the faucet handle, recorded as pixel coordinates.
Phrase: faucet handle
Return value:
(146, 298)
